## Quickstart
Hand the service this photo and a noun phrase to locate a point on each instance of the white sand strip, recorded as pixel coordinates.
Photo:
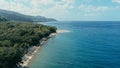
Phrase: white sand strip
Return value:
(62, 31)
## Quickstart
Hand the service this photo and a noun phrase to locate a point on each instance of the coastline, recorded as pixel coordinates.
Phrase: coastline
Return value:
(33, 50)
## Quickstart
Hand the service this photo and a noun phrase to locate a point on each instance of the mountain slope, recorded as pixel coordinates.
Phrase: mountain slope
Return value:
(11, 15)
(3, 18)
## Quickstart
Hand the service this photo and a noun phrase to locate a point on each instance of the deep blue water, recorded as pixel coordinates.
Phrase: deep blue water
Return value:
(88, 45)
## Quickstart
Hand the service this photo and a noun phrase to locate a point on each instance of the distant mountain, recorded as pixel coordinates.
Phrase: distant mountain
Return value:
(15, 16)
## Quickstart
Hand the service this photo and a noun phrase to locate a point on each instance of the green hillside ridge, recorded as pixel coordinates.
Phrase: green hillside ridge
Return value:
(15, 16)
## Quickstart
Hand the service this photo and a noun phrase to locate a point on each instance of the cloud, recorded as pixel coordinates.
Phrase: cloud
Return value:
(66, 4)
(90, 10)
(58, 9)
(37, 7)
(20, 6)
(37, 3)
(116, 1)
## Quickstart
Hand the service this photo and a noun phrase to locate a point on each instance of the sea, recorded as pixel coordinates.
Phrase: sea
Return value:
(86, 44)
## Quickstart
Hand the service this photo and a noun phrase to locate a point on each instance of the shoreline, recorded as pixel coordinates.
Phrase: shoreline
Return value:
(34, 49)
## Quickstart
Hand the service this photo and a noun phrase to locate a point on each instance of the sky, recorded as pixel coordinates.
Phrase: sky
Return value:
(70, 10)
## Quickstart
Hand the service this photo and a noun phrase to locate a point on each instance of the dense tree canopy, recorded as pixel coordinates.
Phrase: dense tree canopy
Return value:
(15, 38)
(2, 18)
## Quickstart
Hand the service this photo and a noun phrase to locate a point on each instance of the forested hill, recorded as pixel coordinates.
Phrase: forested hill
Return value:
(11, 15)
(16, 38)
(3, 18)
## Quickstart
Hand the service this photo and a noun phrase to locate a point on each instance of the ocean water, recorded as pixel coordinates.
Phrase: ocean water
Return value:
(87, 45)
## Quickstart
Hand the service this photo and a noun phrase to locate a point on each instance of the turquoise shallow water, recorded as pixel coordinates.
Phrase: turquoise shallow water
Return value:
(88, 45)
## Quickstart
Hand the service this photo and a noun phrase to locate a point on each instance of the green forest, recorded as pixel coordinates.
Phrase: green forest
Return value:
(17, 37)
(2, 18)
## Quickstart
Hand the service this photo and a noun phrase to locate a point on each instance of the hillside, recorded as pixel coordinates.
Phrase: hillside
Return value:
(15, 16)
(3, 18)
(16, 38)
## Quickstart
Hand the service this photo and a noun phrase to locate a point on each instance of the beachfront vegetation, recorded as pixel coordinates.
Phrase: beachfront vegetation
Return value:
(16, 38)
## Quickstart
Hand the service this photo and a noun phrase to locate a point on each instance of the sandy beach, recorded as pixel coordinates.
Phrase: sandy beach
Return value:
(29, 56)
(33, 50)
(62, 31)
